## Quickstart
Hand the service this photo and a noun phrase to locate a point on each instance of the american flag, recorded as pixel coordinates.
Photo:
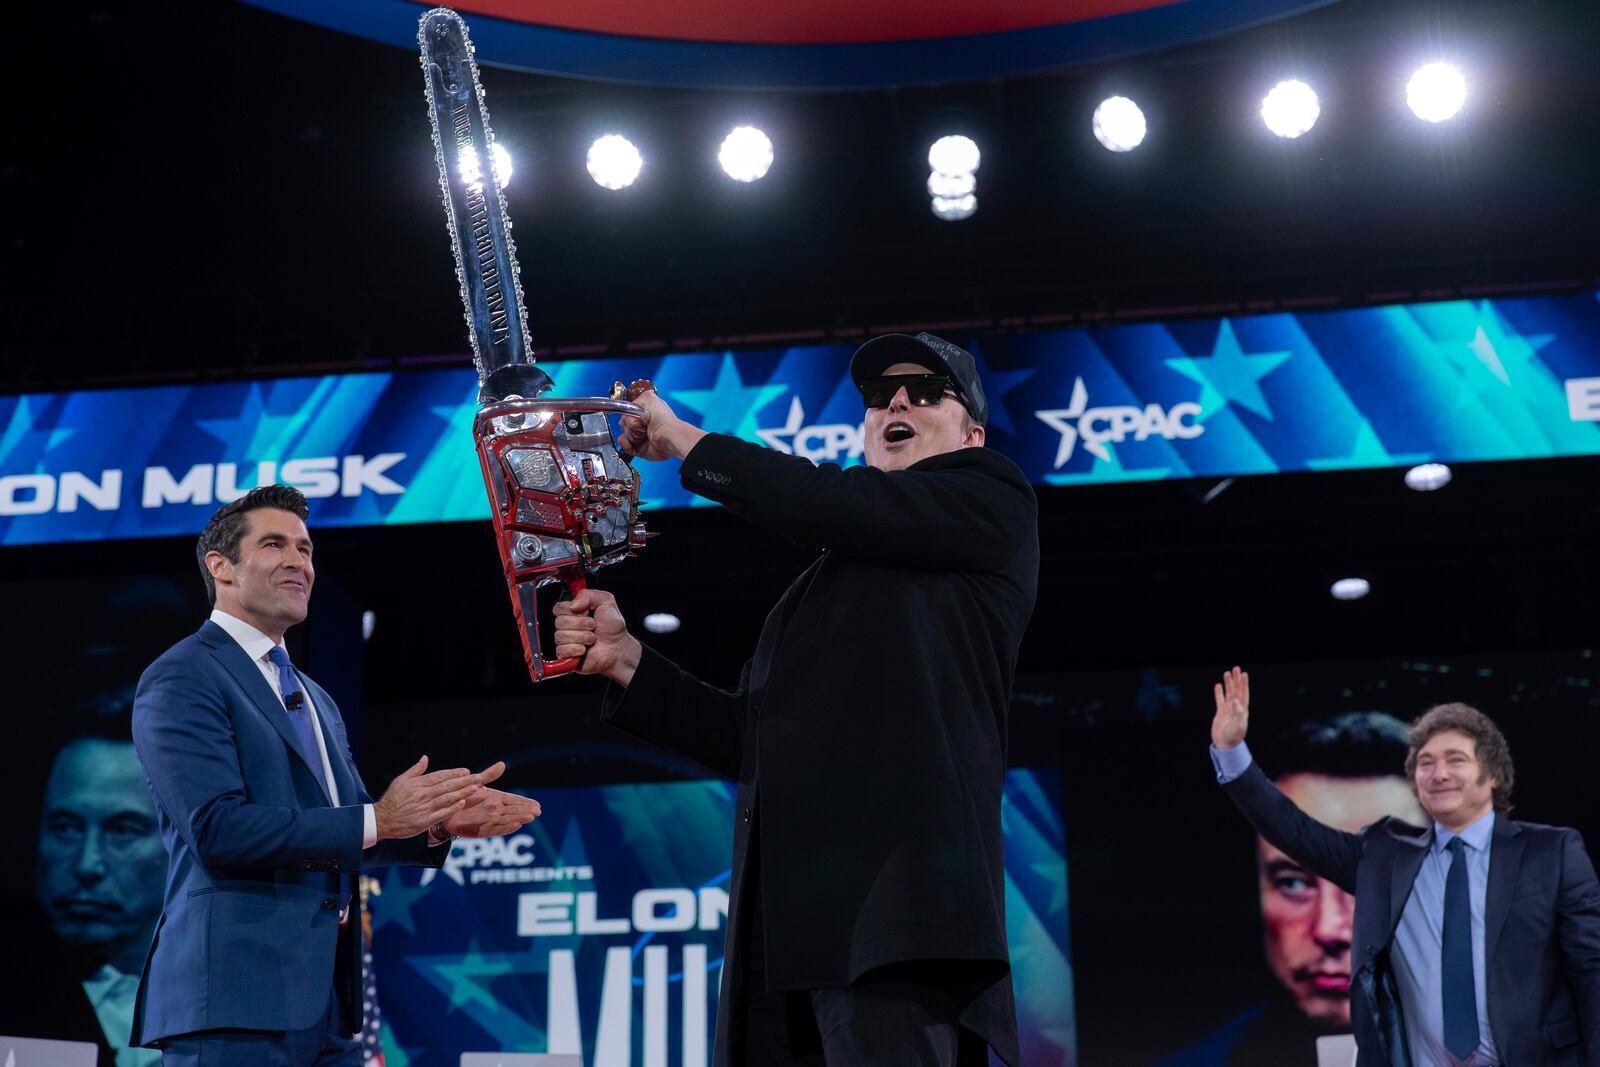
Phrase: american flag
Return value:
(372, 1032)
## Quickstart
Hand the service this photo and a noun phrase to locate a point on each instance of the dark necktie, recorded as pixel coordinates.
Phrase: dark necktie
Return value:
(294, 702)
(1460, 998)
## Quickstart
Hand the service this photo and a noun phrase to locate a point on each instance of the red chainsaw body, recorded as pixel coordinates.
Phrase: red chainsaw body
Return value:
(564, 501)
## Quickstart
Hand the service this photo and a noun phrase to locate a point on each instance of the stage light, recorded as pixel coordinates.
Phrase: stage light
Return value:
(1436, 92)
(954, 154)
(369, 619)
(662, 622)
(954, 160)
(1350, 588)
(502, 164)
(1119, 124)
(954, 208)
(951, 185)
(746, 154)
(613, 162)
(1290, 109)
(1426, 477)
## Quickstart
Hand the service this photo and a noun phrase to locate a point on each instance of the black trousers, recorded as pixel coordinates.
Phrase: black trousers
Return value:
(906, 1015)
(881, 1020)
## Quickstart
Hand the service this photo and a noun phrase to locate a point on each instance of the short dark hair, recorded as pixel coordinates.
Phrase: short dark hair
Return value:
(226, 528)
(1350, 744)
(1494, 755)
(105, 716)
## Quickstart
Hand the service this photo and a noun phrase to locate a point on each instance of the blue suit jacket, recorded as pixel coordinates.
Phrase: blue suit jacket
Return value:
(249, 928)
(1541, 924)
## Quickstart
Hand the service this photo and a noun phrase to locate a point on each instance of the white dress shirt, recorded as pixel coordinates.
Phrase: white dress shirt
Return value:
(256, 645)
(112, 992)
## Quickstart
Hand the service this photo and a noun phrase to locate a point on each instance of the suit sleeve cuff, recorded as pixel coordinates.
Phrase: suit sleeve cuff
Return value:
(1231, 763)
(709, 468)
(369, 827)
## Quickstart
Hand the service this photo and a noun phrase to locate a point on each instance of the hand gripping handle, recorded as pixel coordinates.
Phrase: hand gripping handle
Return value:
(526, 604)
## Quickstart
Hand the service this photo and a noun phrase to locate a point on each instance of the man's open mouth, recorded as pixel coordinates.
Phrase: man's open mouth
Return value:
(896, 432)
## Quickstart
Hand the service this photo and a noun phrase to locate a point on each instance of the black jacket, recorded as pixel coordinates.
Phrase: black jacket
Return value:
(872, 716)
(1541, 925)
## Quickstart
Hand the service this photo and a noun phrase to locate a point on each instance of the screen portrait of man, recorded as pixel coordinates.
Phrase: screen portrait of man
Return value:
(99, 877)
(101, 862)
(1306, 922)
(1346, 771)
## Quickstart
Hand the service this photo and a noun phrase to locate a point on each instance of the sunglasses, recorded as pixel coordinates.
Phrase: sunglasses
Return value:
(923, 390)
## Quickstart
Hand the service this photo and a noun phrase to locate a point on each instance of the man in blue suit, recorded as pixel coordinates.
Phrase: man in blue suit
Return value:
(1477, 940)
(256, 958)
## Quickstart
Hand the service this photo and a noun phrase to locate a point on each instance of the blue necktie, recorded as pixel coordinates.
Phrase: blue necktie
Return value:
(294, 702)
(1460, 998)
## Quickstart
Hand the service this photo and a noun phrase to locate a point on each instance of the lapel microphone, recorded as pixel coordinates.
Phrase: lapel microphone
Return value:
(295, 700)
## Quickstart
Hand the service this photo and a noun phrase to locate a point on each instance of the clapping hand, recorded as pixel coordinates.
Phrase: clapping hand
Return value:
(492, 812)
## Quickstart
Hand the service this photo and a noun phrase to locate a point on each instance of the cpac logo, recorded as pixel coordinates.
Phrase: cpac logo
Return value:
(501, 860)
(823, 443)
(1095, 426)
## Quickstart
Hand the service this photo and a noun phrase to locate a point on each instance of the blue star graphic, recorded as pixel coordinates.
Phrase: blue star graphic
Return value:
(465, 987)
(729, 406)
(393, 904)
(1052, 874)
(1366, 451)
(394, 1053)
(461, 414)
(1230, 375)
(996, 384)
(255, 432)
(1497, 353)
(23, 429)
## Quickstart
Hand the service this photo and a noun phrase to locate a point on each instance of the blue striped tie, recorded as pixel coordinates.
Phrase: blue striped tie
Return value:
(294, 702)
(1460, 998)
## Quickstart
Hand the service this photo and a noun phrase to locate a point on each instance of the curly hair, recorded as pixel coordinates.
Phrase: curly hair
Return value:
(226, 528)
(1494, 755)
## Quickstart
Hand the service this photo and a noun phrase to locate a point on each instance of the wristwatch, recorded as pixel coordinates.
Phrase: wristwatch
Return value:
(440, 834)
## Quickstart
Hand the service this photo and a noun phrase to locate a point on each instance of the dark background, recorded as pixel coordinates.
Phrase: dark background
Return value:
(212, 191)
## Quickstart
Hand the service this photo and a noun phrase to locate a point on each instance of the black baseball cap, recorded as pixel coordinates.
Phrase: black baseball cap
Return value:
(924, 349)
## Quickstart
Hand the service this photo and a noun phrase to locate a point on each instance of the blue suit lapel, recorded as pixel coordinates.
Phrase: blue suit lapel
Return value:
(248, 675)
(327, 714)
(1505, 863)
(1407, 862)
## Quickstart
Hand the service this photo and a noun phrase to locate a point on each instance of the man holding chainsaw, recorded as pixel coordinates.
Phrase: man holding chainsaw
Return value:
(866, 922)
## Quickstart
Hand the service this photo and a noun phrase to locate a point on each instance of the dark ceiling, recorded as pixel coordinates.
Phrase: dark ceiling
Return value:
(224, 191)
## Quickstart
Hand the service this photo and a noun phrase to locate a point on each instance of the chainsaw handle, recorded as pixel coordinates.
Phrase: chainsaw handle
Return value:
(571, 586)
(572, 581)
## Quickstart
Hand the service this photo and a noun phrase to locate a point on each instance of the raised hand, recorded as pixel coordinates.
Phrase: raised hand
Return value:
(416, 799)
(660, 434)
(590, 626)
(492, 812)
(1232, 720)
